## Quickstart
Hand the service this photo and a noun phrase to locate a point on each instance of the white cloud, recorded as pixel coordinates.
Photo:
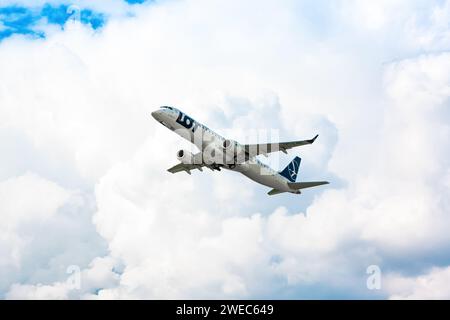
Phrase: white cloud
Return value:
(42, 200)
(375, 15)
(36, 292)
(45, 228)
(87, 284)
(80, 102)
(433, 285)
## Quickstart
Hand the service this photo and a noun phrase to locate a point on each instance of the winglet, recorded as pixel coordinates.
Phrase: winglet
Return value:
(313, 139)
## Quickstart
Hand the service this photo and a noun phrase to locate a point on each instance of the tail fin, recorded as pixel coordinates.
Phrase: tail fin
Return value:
(290, 172)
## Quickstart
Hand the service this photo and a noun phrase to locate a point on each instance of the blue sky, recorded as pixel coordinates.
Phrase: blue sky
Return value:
(16, 19)
(79, 145)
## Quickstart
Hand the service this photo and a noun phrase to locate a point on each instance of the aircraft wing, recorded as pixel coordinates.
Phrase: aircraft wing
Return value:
(265, 148)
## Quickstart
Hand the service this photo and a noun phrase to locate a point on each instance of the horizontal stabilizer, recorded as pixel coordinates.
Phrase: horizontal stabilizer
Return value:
(274, 191)
(304, 185)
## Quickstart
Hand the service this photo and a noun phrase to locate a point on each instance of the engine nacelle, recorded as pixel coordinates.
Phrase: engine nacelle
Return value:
(228, 145)
(232, 151)
(185, 157)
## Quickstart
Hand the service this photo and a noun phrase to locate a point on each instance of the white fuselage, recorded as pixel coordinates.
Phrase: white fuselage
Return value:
(204, 138)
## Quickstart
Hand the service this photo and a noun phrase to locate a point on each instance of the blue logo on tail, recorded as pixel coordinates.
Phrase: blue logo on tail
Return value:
(290, 172)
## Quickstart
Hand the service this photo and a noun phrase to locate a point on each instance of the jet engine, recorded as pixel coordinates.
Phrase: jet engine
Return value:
(232, 151)
(228, 145)
(185, 157)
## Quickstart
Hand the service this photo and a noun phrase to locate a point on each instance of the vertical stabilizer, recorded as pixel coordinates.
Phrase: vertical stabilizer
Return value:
(290, 172)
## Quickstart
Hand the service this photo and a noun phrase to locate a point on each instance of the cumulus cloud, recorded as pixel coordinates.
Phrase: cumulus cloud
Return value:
(432, 285)
(77, 107)
(86, 284)
(35, 209)
(46, 228)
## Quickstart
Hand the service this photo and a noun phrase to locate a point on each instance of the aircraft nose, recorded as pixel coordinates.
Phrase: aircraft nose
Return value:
(156, 114)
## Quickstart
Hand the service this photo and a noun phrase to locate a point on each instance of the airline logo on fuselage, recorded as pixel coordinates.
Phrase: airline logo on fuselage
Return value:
(187, 121)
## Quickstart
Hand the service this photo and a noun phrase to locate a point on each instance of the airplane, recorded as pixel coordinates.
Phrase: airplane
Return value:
(216, 153)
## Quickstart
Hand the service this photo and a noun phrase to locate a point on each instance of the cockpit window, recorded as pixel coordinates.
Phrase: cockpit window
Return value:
(166, 107)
